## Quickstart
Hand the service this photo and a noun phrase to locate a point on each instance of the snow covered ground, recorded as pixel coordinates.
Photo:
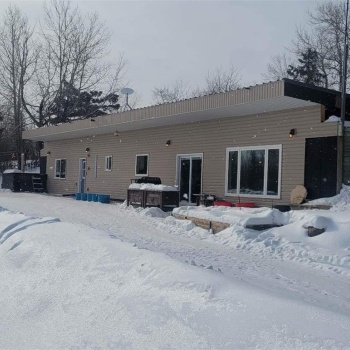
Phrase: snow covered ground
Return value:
(84, 275)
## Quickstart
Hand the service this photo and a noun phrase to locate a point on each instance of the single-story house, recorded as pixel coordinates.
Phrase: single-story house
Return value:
(253, 144)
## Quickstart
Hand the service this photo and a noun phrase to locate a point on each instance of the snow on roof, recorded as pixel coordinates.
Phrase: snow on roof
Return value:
(151, 187)
(332, 119)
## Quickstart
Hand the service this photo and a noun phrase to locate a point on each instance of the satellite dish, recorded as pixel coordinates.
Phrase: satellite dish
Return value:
(127, 91)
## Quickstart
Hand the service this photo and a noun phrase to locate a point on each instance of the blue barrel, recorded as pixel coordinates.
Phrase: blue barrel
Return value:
(104, 198)
(90, 197)
(78, 196)
(83, 196)
(95, 197)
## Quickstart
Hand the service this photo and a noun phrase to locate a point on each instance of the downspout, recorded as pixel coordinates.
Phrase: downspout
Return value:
(343, 106)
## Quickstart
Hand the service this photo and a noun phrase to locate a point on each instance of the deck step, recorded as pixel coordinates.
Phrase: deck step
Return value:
(37, 184)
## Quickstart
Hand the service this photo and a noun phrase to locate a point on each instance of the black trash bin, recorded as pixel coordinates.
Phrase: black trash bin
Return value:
(11, 180)
(17, 181)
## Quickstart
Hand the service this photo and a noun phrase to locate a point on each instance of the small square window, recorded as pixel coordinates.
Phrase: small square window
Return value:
(108, 163)
(141, 164)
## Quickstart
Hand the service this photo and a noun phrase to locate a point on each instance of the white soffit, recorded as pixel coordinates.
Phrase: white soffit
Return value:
(112, 123)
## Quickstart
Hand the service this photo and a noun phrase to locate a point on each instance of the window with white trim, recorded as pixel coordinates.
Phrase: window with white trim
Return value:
(141, 167)
(60, 168)
(108, 163)
(253, 171)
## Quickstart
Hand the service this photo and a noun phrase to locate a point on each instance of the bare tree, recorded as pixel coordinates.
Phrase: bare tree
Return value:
(215, 82)
(175, 92)
(277, 68)
(17, 65)
(72, 56)
(325, 35)
(222, 80)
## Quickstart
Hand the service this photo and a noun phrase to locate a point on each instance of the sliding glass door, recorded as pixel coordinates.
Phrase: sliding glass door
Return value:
(189, 177)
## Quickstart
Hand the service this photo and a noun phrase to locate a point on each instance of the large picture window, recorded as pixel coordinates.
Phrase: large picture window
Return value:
(141, 164)
(253, 171)
(60, 168)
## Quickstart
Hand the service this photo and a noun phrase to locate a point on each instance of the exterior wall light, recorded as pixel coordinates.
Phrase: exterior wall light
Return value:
(168, 143)
(87, 149)
(292, 132)
(48, 153)
(116, 133)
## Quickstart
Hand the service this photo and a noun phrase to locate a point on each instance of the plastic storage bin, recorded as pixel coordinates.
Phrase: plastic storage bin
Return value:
(104, 198)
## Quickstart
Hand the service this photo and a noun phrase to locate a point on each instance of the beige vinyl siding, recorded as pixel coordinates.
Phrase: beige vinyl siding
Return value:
(211, 138)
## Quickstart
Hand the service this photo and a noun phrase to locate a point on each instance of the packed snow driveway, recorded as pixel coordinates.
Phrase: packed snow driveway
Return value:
(255, 263)
(80, 275)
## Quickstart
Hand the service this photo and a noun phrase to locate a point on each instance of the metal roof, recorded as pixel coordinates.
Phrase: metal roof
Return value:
(258, 99)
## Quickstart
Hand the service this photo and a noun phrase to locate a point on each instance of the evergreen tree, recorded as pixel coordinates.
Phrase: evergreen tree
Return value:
(307, 71)
(73, 104)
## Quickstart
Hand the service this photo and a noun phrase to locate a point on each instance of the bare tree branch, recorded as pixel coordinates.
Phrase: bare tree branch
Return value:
(177, 91)
(74, 48)
(17, 65)
(277, 68)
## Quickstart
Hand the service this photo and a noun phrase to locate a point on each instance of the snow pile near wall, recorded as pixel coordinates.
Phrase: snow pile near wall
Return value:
(340, 201)
(330, 250)
(235, 216)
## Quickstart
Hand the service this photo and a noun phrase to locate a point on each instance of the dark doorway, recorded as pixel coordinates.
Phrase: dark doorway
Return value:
(42, 163)
(320, 177)
(190, 177)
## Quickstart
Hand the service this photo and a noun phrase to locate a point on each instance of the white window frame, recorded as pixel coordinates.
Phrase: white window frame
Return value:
(239, 150)
(141, 155)
(59, 177)
(108, 163)
(178, 166)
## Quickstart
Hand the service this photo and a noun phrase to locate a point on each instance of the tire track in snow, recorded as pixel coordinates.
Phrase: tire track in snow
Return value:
(18, 226)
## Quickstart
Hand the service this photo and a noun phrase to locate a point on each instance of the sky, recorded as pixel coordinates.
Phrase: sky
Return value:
(166, 41)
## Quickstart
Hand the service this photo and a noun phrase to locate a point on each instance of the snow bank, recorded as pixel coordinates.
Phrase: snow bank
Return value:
(341, 201)
(235, 216)
(330, 250)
